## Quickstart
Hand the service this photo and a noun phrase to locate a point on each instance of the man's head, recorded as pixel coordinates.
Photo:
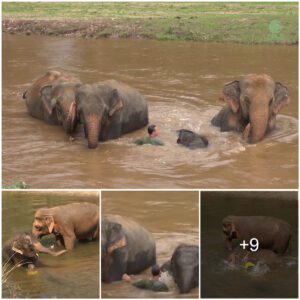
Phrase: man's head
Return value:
(152, 130)
(155, 270)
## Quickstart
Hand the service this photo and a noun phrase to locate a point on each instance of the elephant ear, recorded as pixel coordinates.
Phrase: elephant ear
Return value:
(116, 238)
(231, 95)
(15, 249)
(50, 223)
(281, 97)
(115, 103)
(47, 100)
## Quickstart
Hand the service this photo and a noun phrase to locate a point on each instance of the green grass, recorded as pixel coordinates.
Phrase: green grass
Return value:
(17, 185)
(244, 22)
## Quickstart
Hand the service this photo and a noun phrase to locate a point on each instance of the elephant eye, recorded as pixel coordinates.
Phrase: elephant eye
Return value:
(247, 101)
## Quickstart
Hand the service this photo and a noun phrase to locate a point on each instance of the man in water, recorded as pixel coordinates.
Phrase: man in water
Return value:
(153, 283)
(151, 139)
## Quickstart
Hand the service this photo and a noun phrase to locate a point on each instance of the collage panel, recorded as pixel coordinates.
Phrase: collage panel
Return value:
(50, 244)
(150, 244)
(228, 107)
(249, 244)
(168, 131)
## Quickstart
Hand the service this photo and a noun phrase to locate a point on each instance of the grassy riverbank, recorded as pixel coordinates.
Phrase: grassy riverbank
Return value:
(251, 23)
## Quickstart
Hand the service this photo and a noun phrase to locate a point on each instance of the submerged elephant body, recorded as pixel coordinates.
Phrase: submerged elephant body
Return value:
(240, 257)
(272, 233)
(39, 95)
(68, 223)
(126, 247)
(184, 267)
(23, 250)
(109, 109)
(191, 139)
(252, 105)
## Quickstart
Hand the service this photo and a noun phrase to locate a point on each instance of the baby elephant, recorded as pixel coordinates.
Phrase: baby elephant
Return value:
(272, 233)
(23, 249)
(191, 139)
(240, 257)
(68, 223)
(184, 267)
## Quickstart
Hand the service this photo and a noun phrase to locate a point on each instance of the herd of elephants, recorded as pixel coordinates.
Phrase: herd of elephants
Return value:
(109, 109)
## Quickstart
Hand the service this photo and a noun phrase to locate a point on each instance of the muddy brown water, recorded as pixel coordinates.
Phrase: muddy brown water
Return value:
(74, 274)
(172, 218)
(181, 82)
(218, 280)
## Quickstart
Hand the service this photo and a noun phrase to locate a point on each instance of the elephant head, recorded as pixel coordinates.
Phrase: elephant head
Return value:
(257, 99)
(230, 230)
(26, 246)
(113, 243)
(185, 267)
(60, 99)
(23, 245)
(97, 105)
(43, 223)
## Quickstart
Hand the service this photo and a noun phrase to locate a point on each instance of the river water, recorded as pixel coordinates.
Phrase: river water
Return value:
(218, 280)
(181, 82)
(73, 274)
(172, 218)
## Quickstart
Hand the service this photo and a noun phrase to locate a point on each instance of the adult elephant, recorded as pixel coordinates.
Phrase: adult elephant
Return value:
(126, 248)
(184, 267)
(46, 102)
(109, 109)
(23, 250)
(252, 104)
(272, 233)
(68, 223)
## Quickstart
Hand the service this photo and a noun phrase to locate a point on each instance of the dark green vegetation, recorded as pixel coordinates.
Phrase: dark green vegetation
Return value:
(252, 22)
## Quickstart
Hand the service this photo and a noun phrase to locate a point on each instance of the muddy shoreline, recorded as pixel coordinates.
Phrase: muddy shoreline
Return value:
(77, 29)
(116, 29)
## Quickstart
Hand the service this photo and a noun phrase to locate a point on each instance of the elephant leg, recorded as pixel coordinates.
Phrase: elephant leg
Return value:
(60, 241)
(69, 241)
(227, 244)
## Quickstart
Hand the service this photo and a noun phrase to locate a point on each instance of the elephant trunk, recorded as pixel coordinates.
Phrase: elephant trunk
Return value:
(40, 248)
(70, 122)
(258, 124)
(184, 280)
(93, 130)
